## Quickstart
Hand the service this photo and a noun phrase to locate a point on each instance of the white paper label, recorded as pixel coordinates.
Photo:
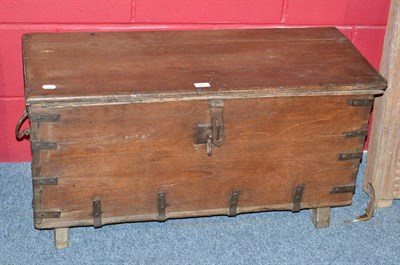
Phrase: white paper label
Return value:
(202, 85)
(49, 86)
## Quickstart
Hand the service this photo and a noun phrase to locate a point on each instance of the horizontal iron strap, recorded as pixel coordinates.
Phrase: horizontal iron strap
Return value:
(350, 156)
(37, 146)
(358, 133)
(45, 181)
(361, 102)
(343, 189)
(47, 214)
(44, 117)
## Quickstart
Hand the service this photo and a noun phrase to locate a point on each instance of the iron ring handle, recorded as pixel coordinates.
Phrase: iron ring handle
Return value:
(26, 132)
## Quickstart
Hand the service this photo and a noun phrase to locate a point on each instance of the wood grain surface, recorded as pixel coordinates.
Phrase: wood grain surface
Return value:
(126, 154)
(129, 108)
(124, 63)
(383, 167)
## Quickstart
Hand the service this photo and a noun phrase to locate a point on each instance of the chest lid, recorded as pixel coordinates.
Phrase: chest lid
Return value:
(174, 65)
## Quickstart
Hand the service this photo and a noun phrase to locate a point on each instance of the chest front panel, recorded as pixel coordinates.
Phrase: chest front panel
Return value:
(140, 158)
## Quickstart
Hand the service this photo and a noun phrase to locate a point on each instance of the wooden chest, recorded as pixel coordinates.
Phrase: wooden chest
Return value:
(138, 126)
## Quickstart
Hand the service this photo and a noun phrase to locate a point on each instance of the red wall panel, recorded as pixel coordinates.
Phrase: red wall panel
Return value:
(369, 41)
(72, 11)
(347, 31)
(10, 149)
(208, 11)
(11, 73)
(362, 21)
(337, 12)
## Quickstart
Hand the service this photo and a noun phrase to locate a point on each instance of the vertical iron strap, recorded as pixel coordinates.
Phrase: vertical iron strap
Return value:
(97, 213)
(297, 197)
(161, 204)
(234, 203)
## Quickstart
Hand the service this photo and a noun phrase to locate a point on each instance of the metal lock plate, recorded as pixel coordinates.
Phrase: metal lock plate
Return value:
(213, 133)
(202, 133)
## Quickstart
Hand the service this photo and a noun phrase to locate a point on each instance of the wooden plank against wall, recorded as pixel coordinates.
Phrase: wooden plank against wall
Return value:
(383, 165)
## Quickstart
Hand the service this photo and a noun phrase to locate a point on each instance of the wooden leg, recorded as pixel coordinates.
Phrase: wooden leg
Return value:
(383, 203)
(321, 217)
(61, 238)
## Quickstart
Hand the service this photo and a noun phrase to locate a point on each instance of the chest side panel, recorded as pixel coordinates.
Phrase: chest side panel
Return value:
(127, 155)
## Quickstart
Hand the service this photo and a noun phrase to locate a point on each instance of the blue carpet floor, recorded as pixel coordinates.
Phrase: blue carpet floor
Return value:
(262, 238)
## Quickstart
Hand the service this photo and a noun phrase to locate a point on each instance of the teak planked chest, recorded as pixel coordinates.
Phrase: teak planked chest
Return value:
(138, 126)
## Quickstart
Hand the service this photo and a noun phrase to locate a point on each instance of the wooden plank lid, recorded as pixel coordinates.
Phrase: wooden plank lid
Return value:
(193, 64)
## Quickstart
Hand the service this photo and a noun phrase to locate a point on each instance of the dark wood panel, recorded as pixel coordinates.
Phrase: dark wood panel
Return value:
(126, 154)
(90, 64)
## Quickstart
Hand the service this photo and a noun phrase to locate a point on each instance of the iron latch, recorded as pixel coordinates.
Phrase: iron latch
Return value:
(212, 134)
